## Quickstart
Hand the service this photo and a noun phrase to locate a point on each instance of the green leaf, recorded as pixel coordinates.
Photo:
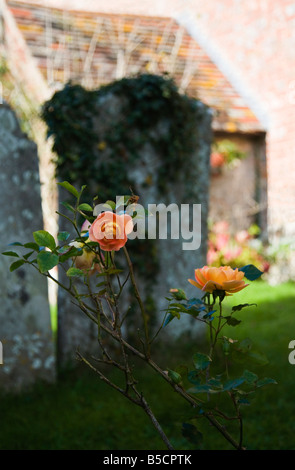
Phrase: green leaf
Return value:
(67, 206)
(215, 382)
(168, 319)
(258, 358)
(191, 433)
(199, 389)
(109, 272)
(237, 308)
(265, 381)
(85, 207)
(174, 312)
(174, 376)
(178, 294)
(63, 236)
(10, 253)
(82, 189)
(113, 271)
(70, 188)
(179, 307)
(201, 361)
(70, 253)
(32, 246)
(250, 377)
(44, 238)
(27, 255)
(245, 345)
(232, 321)
(15, 244)
(235, 383)
(251, 272)
(75, 272)
(100, 284)
(101, 292)
(112, 204)
(46, 261)
(16, 265)
(193, 377)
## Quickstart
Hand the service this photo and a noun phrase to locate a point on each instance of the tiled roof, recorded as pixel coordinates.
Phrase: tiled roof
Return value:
(96, 48)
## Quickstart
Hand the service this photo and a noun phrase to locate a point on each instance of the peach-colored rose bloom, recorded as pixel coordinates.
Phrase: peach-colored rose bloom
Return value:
(110, 230)
(223, 278)
(86, 262)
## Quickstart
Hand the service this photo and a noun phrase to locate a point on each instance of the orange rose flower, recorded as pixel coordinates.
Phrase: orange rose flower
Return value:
(223, 278)
(110, 230)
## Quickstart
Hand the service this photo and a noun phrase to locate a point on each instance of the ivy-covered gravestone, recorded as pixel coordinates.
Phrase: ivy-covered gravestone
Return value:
(25, 330)
(138, 135)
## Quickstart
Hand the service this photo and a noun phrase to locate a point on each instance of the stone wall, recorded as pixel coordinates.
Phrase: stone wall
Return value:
(175, 264)
(25, 330)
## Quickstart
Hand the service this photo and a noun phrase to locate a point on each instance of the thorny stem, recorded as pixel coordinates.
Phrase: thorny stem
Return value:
(139, 300)
(212, 347)
(156, 424)
(239, 417)
(140, 401)
(192, 401)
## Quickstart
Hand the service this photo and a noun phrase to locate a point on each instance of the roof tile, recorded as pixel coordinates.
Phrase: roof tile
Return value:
(95, 49)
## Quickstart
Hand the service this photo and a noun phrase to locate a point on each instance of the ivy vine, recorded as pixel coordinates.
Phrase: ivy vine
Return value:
(148, 100)
(101, 157)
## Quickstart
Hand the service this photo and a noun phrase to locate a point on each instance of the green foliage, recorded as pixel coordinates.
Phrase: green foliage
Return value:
(46, 261)
(43, 238)
(10, 253)
(70, 188)
(201, 361)
(16, 265)
(229, 150)
(174, 376)
(149, 100)
(232, 321)
(75, 272)
(103, 157)
(63, 236)
(251, 272)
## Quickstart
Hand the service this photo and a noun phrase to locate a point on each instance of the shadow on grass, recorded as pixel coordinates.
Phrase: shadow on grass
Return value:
(81, 412)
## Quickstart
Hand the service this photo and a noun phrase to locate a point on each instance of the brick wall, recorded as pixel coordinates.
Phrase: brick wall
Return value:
(254, 41)
(257, 38)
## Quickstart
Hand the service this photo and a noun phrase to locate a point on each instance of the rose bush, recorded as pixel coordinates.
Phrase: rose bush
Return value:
(93, 252)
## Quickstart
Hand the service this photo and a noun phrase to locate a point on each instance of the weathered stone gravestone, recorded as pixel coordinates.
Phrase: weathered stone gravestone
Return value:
(176, 264)
(25, 330)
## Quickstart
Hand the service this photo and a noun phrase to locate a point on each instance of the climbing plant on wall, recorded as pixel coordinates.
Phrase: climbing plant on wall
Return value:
(151, 111)
(148, 100)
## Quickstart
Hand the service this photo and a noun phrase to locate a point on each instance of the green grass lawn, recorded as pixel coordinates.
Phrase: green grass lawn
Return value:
(80, 412)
